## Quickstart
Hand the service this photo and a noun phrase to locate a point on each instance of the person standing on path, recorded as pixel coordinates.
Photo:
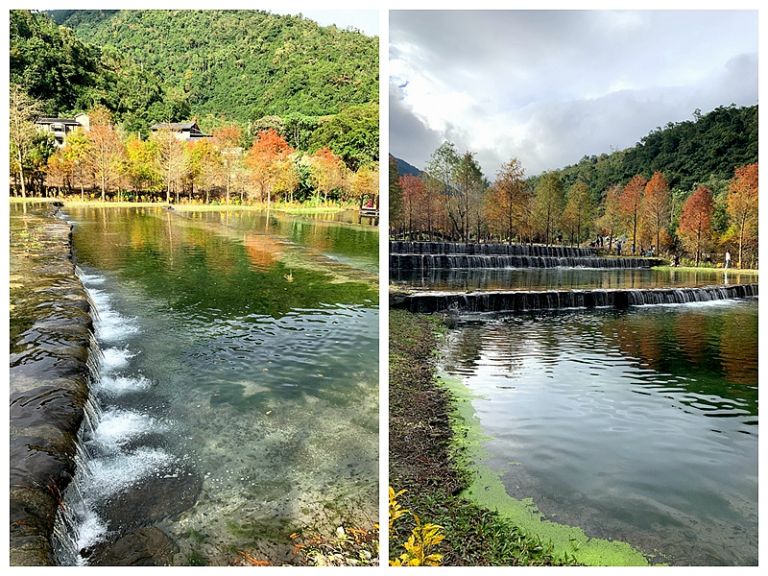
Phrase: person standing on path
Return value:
(727, 259)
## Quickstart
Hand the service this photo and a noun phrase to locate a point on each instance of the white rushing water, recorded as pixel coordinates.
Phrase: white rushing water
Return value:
(106, 462)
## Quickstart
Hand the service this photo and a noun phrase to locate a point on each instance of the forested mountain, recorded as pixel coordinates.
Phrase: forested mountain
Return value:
(704, 149)
(240, 63)
(404, 168)
(316, 86)
(68, 75)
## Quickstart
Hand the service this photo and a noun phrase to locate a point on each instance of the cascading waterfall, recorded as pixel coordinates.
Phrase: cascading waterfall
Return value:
(427, 255)
(514, 301)
(104, 464)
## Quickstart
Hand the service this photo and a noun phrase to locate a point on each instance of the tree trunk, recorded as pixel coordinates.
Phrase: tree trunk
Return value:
(741, 240)
(21, 174)
(698, 246)
(578, 231)
(634, 235)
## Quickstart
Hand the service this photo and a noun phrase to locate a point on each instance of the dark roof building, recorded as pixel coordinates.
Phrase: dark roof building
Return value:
(60, 127)
(182, 130)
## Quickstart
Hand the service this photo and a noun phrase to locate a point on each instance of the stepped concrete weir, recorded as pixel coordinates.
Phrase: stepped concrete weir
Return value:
(50, 376)
(424, 255)
(521, 301)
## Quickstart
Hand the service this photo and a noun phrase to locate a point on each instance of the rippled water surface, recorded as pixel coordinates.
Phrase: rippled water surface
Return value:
(638, 425)
(238, 380)
(555, 278)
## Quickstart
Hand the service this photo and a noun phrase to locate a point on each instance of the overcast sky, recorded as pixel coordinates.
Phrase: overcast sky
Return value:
(549, 87)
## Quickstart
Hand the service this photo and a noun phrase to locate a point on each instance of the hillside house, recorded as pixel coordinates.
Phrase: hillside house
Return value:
(60, 127)
(182, 130)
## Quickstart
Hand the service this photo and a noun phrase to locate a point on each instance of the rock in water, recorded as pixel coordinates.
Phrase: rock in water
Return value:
(142, 547)
(152, 499)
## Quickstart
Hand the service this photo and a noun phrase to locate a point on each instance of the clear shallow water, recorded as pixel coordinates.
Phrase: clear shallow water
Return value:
(239, 372)
(554, 278)
(638, 425)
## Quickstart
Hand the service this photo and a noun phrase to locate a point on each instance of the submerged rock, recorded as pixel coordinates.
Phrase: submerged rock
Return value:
(152, 500)
(142, 547)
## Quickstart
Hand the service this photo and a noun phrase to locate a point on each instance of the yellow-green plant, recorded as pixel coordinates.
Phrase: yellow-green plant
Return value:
(422, 541)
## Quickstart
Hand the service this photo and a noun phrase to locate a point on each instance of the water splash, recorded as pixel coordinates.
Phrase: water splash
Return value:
(104, 464)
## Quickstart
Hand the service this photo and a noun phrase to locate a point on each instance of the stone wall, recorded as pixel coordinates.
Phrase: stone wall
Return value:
(50, 338)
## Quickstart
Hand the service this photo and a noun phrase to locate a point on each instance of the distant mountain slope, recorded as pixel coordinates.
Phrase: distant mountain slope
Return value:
(69, 75)
(241, 64)
(404, 168)
(710, 146)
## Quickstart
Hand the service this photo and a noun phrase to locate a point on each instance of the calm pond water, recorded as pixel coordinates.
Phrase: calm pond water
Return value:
(240, 365)
(553, 278)
(638, 425)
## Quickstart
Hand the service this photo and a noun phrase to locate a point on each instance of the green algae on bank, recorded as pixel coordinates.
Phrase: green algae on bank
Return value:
(487, 490)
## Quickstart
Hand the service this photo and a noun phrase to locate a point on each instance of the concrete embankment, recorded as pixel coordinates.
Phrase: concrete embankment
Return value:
(520, 300)
(428, 255)
(50, 336)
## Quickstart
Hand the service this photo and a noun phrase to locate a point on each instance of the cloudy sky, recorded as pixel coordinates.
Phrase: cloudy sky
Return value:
(549, 87)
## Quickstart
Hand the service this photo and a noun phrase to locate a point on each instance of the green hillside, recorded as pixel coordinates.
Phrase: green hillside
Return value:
(240, 64)
(704, 149)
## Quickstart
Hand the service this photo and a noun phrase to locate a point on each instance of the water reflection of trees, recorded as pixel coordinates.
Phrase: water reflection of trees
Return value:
(713, 352)
(465, 349)
(263, 251)
(738, 348)
(709, 352)
(189, 265)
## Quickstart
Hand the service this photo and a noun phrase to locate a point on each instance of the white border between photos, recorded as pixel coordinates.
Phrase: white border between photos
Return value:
(383, 6)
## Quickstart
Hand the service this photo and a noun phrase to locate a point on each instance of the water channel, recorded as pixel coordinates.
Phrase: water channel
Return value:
(237, 388)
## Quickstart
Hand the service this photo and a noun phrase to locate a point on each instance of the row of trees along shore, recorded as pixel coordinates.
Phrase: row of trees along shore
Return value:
(452, 200)
(109, 163)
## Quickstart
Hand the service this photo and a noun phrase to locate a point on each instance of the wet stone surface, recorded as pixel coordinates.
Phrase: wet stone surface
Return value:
(154, 499)
(142, 547)
(50, 334)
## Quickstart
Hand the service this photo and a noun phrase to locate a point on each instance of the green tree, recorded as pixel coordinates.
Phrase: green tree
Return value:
(77, 152)
(352, 134)
(142, 168)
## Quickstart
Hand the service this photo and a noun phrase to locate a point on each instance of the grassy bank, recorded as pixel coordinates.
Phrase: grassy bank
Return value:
(436, 454)
(424, 460)
(298, 209)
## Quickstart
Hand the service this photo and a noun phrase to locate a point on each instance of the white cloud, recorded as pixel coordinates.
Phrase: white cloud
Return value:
(550, 87)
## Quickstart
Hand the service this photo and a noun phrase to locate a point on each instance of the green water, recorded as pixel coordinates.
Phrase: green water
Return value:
(241, 350)
(637, 425)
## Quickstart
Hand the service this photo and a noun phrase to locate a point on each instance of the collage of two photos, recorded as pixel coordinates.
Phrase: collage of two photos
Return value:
(570, 204)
